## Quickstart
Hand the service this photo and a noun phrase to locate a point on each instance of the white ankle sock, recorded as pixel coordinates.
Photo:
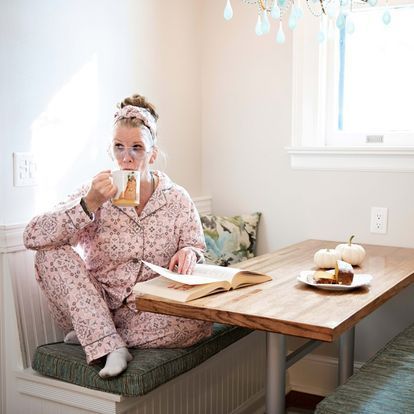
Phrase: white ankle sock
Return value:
(71, 338)
(116, 362)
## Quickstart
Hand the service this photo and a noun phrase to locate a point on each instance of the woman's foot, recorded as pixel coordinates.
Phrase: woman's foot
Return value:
(116, 362)
(71, 338)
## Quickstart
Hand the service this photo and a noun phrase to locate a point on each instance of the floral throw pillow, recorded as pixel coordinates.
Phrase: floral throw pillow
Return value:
(230, 240)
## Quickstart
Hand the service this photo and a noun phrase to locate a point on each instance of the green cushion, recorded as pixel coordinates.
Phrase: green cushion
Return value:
(230, 240)
(149, 368)
(385, 384)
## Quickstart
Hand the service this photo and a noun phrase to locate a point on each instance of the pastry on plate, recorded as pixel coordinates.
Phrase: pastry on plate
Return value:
(343, 274)
(324, 278)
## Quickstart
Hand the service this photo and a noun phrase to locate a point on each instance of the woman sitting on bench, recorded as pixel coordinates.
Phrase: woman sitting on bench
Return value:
(90, 295)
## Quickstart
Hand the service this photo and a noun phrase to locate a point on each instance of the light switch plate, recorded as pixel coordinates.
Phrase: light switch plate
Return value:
(24, 169)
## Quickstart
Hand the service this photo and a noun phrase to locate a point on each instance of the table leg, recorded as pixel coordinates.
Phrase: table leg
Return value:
(275, 373)
(346, 355)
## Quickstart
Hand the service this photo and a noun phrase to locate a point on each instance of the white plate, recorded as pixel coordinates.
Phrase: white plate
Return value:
(306, 276)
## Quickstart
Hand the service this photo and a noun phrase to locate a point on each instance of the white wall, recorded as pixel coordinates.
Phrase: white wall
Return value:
(64, 66)
(246, 116)
(246, 101)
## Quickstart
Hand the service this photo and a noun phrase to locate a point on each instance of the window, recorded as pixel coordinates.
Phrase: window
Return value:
(372, 94)
(352, 95)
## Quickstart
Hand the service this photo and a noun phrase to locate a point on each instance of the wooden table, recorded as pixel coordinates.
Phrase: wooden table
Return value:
(285, 306)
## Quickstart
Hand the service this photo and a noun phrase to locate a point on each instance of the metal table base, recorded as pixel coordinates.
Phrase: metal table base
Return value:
(277, 362)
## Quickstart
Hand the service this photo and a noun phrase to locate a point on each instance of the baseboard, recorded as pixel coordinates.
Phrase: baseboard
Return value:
(255, 405)
(315, 374)
(32, 384)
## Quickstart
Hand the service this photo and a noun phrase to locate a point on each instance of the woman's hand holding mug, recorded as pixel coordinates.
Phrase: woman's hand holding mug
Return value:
(102, 189)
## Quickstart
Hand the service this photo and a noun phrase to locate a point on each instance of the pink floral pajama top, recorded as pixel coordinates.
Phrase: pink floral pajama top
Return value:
(115, 242)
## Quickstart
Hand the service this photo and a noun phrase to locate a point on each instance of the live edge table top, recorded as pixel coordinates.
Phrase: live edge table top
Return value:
(287, 306)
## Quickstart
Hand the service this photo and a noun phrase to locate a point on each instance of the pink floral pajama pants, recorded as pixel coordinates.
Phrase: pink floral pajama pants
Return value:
(76, 301)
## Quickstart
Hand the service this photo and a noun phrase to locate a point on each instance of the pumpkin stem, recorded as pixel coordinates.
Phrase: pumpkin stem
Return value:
(350, 240)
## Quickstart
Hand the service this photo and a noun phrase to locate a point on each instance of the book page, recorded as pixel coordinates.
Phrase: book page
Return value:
(234, 276)
(204, 274)
(194, 279)
(216, 273)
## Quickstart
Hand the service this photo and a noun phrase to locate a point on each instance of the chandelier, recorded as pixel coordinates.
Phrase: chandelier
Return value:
(336, 11)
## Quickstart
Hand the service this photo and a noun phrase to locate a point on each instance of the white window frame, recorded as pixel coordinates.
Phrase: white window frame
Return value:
(310, 148)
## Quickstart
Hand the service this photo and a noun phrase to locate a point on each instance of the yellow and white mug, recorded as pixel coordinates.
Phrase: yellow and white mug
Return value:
(127, 182)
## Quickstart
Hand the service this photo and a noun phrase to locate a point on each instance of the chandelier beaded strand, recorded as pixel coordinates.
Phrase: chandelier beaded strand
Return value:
(336, 11)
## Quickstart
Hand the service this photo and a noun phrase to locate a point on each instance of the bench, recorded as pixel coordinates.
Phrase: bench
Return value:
(216, 375)
(148, 369)
(384, 384)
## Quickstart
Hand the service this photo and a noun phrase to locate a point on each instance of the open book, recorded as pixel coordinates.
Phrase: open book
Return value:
(205, 280)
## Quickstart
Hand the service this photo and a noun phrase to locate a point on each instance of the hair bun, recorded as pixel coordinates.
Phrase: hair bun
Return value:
(141, 102)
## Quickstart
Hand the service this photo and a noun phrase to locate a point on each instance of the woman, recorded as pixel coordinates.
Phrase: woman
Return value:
(89, 295)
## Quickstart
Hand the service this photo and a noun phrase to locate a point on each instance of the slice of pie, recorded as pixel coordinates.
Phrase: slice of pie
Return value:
(324, 278)
(344, 273)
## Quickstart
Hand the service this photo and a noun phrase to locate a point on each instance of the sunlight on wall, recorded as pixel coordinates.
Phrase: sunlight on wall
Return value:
(64, 131)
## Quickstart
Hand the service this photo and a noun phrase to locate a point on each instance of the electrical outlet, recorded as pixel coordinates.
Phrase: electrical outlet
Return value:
(379, 218)
(24, 169)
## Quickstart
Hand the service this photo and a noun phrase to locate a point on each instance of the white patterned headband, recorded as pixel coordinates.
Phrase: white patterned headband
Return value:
(130, 111)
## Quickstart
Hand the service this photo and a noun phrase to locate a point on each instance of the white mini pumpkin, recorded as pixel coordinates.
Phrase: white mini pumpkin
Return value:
(326, 258)
(351, 253)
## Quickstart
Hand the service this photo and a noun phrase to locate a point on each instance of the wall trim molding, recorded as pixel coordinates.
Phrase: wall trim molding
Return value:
(11, 235)
(352, 159)
(316, 374)
(11, 238)
(204, 204)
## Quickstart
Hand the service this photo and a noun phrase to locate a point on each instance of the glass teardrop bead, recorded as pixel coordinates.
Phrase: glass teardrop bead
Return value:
(321, 36)
(228, 11)
(292, 21)
(298, 12)
(340, 21)
(386, 17)
(350, 26)
(280, 38)
(275, 13)
(258, 29)
(330, 9)
(265, 23)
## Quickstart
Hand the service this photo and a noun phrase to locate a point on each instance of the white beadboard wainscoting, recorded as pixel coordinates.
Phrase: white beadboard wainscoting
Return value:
(2, 339)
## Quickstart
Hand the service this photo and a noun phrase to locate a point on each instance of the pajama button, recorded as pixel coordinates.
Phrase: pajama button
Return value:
(135, 260)
(128, 290)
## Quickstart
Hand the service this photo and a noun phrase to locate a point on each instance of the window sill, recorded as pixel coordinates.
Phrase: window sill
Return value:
(393, 159)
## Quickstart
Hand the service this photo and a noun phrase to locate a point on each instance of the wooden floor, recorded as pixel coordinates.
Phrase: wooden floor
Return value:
(300, 402)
